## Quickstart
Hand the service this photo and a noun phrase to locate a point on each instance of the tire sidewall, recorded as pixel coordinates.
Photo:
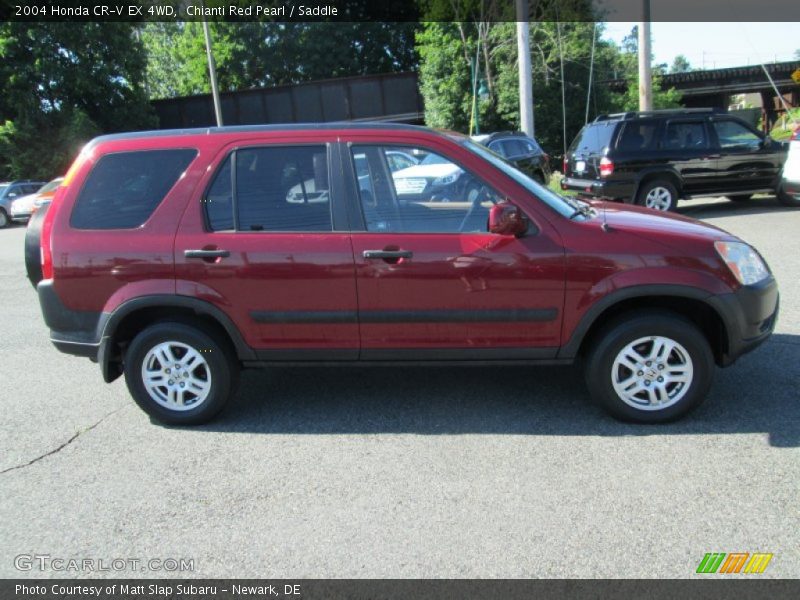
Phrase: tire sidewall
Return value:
(219, 364)
(787, 199)
(611, 342)
(5, 220)
(641, 197)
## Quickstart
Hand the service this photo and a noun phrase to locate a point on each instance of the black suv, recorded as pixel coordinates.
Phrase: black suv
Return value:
(521, 150)
(654, 158)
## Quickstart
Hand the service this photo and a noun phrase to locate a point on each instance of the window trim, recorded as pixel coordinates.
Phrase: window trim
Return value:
(231, 152)
(355, 193)
(100, 157)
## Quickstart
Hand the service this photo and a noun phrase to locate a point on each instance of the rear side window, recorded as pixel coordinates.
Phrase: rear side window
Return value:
(685, 135)
(595, 137)
(124, 188)
(276, 188)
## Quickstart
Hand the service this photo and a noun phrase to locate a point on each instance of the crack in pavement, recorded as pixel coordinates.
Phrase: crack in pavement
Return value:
(65, 444)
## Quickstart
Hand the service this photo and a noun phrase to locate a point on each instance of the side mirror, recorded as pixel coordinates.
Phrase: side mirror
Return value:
(507, 219)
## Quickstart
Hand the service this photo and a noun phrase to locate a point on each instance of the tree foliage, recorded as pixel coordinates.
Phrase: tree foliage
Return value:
(259, 54)
(62, 84)
(446, 50)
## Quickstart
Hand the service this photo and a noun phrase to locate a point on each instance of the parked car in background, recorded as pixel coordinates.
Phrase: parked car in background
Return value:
(789, 191)
(204, 265)
(520, 149)
(23, 208)
(10, 191)
(655, 158)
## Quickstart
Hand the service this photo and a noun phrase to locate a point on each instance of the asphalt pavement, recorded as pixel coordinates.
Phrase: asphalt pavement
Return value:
(404, 472)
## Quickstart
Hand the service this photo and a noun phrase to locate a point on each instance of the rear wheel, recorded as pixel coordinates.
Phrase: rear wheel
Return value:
(789, 198)
(4, 220)
(658, 194)
(740, 197)
(179, 374)
(651, 367)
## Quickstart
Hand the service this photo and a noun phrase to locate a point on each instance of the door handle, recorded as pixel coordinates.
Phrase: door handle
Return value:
(206, 253)
(384, 254)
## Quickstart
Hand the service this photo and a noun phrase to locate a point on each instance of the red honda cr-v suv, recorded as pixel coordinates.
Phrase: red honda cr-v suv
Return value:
(178, 257)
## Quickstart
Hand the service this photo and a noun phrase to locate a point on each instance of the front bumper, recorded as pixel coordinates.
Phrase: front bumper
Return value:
(21, 217)
(601, 189)
(750, 314)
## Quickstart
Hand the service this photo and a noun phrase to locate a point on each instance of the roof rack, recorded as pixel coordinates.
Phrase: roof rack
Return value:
(658, 113)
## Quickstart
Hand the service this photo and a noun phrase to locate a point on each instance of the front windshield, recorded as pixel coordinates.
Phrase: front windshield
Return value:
(564, 206)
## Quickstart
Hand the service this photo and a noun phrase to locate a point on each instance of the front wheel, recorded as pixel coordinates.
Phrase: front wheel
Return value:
(658, 194)
(4, 220)
(651, 367)
(179, 374)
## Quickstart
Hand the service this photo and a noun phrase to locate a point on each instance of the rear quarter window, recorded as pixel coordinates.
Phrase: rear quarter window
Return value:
(595, 137)
(123, 189)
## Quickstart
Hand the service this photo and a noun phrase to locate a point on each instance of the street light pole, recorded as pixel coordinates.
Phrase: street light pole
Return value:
(525, 75)
(212, 72)
(645, 79)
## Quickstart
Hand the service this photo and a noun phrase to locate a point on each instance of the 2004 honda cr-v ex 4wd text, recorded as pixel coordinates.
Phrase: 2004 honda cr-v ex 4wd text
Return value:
(178, 257)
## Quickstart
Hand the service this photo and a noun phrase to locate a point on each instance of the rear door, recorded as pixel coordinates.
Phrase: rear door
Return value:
(433, 283)
(745, 162)
(687, 147)
(265, 242)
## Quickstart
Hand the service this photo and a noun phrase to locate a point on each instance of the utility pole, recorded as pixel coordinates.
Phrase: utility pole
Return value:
(645, 78)
(525, 74)
(212, 73)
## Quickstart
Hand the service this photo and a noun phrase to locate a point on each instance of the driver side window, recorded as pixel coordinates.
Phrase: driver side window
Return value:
(430, 195)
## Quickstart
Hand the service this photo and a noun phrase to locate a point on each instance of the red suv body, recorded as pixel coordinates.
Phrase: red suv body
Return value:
(176, 257)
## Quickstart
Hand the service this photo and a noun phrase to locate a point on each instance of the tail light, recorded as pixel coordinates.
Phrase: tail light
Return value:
(566, 163)
(45, 241)
(46, 237)
(606, 166)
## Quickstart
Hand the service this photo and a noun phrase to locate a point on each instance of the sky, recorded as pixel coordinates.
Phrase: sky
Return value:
(717, 45)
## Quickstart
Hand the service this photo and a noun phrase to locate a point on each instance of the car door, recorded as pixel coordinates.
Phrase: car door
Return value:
(432, 281)
(686, 147)
(746, 162)
(265, 243)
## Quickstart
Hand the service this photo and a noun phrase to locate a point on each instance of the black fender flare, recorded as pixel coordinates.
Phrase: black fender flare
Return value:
(570, 349)
(109, 322)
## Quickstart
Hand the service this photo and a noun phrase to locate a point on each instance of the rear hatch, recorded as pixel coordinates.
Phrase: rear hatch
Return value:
(583, 156)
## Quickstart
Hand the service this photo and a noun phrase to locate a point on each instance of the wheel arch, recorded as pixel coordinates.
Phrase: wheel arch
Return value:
(691, 303)
(648, 175)
(121, 325)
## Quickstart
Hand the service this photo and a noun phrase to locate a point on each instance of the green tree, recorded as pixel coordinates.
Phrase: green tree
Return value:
(62, 84)
(680, 64)
(258, 54)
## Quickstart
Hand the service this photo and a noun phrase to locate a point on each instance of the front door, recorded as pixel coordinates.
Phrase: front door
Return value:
(686, 145)
(746, 163)
(433, 283)
(264, 244)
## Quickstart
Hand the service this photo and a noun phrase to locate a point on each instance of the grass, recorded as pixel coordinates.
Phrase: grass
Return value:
(785, 126)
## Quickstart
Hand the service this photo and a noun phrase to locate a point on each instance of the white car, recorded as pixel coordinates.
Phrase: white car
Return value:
(789, 189)
(433, 178)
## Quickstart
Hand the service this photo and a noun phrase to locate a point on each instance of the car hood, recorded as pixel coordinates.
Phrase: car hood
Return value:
(429, 171)
(647, 223)
(23, 203)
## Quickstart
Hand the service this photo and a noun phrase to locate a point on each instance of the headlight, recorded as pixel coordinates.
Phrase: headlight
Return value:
(743, 261)
(447, 179)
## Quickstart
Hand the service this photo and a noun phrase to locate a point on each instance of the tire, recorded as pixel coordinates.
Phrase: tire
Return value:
(658, 194)
(201, 401)
(740, 197)
(4, 220)
(640, 333)
(787, 199)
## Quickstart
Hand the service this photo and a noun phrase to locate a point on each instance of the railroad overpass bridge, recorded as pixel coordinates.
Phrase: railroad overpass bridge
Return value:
(395, 97)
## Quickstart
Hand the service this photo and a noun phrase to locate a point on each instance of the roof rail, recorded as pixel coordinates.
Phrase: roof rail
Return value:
(658, 113)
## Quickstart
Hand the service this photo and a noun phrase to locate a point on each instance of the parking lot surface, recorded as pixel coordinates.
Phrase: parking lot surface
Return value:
(404, 472)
